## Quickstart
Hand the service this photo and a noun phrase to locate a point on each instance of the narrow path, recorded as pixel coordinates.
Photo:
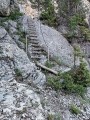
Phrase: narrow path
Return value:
(35, 51)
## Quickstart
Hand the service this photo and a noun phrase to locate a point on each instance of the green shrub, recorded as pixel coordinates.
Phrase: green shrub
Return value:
(76, 20)
(74, 81)
(75, 110)
(13, 16)
(54, 117)
(50, 117)
(18, 72)
(57, 116)
(49, 64)
(48, 15)
(54, 83)
(85, 32)
(81, 75)
(70, 86)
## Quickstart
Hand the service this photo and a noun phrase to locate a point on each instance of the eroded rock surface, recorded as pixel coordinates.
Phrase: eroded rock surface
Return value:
(4, 7)
(58, 46)
(19, 101)
(12, 55)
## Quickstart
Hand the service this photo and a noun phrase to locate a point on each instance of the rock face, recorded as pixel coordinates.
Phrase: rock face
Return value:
(58, 46)
(18, 101)
(12, 57)
(86, 5)
(4, 7)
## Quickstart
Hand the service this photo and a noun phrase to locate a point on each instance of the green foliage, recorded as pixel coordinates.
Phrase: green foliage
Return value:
(77, 50)
(58, 61)
(54, 117)
(54, 82)
(14, 15)
(50, 117)
(22, 36)
(1, 50)
(75, 20)
(73, 13)
(48, 15)
(75, 110)
(57, 117)
(85, 32)
(74, 81)
(49, 64)
(70, 86)
(81, 75)
(69, 8)
(77, 53)
(18, 72)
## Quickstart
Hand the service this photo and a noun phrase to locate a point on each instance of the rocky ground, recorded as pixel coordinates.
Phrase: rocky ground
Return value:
(24, 94)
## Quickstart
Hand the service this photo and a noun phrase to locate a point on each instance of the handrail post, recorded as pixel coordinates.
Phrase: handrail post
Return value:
(26, 45)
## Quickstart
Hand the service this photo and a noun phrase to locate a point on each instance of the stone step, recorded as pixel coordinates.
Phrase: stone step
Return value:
(31, 25)
(33, 38)
(30, 22)
(36, 57)
(35, 42)
(35, 45)
(32, 32)
(36, 52)
(37, 49)
(32, 35)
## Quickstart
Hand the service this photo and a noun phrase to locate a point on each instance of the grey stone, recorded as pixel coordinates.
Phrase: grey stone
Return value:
(11, 52)
(4, 7)
(88, 92)
(17, 98)
(58, 46)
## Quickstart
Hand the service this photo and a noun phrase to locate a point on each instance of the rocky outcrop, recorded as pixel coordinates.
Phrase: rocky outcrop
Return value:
(86, 5)
(4, 7)
(15, 58)
(19, 101)
(49, 38)
(58, 46)
(13, 5)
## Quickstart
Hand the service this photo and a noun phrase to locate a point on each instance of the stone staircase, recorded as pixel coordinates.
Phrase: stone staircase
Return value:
(35, 51)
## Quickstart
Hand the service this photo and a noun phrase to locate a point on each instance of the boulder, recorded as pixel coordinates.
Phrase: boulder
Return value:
(86, 5)
(4, 7)
(58, 46)
(7, 6)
